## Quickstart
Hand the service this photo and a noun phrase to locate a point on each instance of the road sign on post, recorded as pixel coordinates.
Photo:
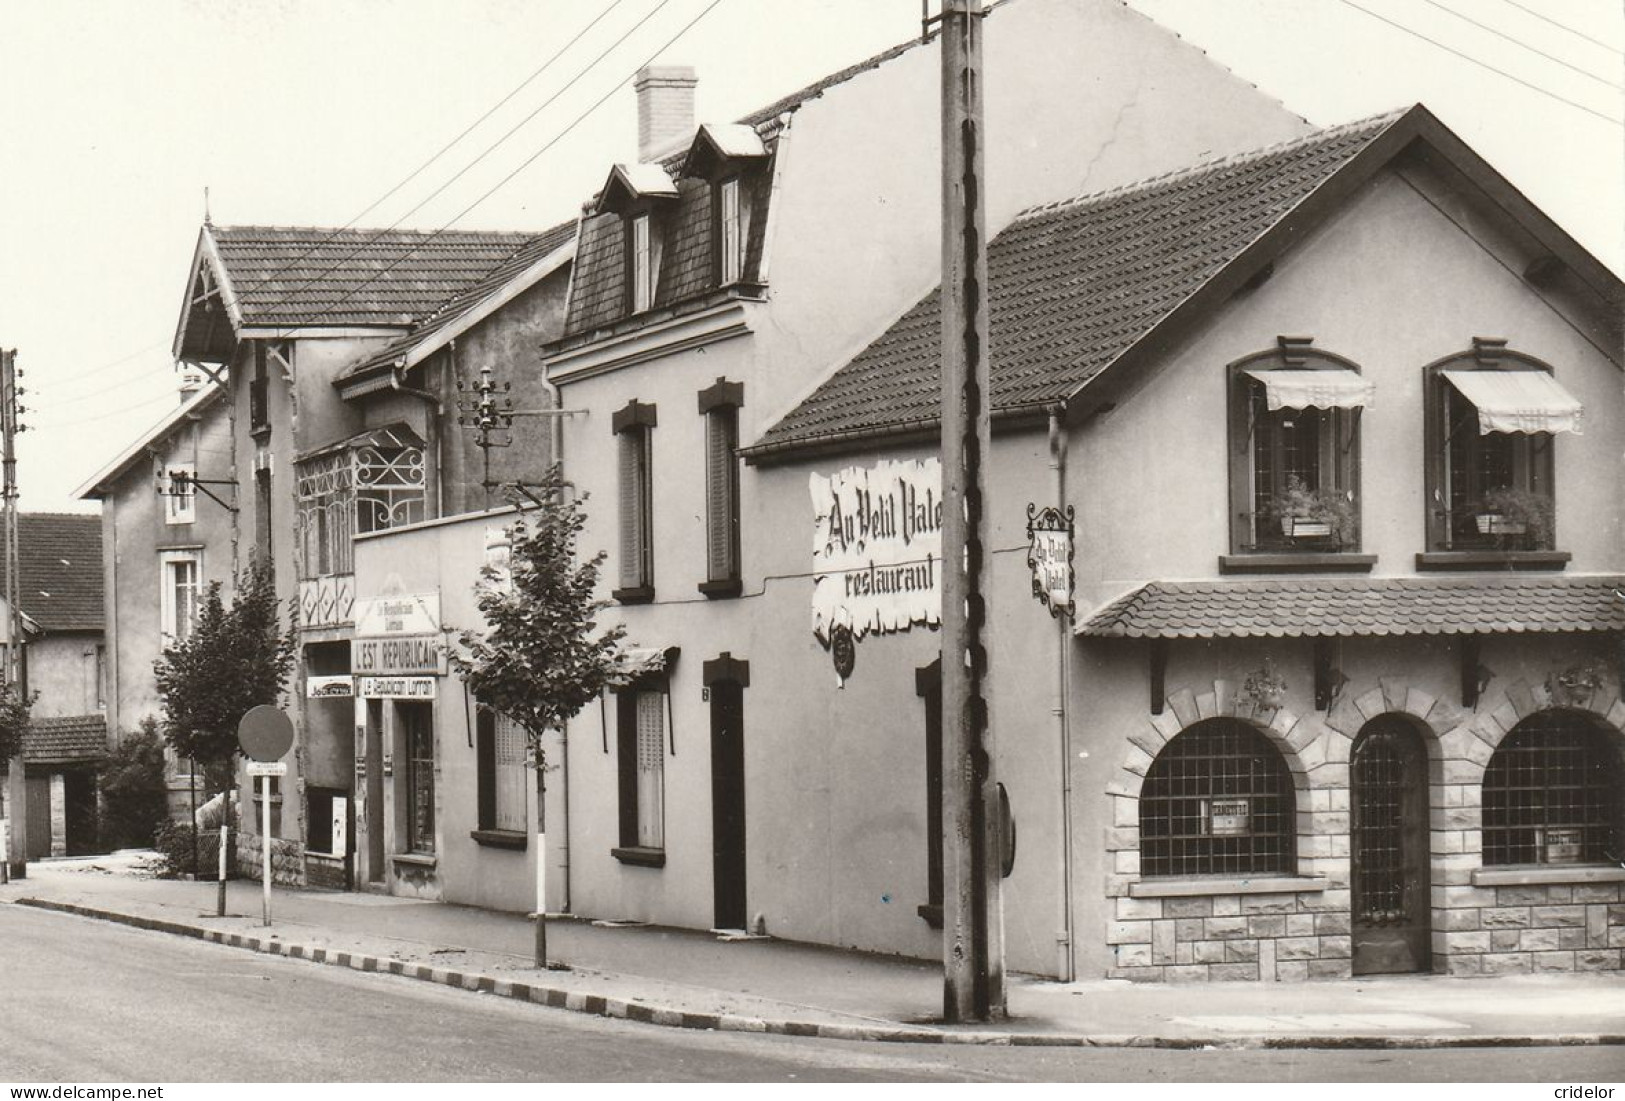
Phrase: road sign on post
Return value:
(265, 734)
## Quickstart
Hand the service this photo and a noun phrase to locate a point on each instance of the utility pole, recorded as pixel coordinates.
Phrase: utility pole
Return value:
(973, 916)
(16, 856)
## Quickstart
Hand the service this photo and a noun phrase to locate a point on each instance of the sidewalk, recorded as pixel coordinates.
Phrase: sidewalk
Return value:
(693, 979)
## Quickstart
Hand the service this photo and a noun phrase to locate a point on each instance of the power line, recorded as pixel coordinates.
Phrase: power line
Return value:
(442, 151)
(363, 245)
(1481, 64)
(526, 163)
(119, 412)
(521, 86)
(1521, 43)
(1565, 27)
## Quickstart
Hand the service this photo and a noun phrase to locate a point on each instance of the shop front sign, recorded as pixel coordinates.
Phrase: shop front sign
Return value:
(877, 548)
(397, 688)
(407, 655)
(329, 687)
(1050, 542)
(397, 613)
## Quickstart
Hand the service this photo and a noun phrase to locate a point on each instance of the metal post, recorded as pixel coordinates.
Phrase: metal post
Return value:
(265, 843)
(225, 841)
(16, 855)
(541, 862)
(973, 949)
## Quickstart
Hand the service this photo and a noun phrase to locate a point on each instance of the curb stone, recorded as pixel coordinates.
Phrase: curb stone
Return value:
(599, 1005)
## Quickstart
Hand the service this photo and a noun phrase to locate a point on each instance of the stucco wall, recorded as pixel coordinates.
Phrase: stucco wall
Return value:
(62, 669)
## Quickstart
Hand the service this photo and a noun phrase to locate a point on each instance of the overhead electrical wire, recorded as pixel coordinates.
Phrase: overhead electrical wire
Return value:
(414, 174)
(1565, 27)
(526, 163)
(1482, 64)
(1522, 44)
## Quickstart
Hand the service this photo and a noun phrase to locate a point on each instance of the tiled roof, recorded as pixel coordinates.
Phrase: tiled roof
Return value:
(1365, 606)
(534, 248)
(65, 740)
(1075, 284)
(60, 570)
(298, 276)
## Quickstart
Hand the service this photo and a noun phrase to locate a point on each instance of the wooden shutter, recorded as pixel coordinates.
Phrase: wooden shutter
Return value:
(721, 494)
(632, 444)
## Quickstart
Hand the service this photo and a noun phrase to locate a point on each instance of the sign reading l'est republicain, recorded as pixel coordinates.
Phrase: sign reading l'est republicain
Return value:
(877, 548)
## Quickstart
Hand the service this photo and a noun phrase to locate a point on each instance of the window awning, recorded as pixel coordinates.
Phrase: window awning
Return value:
(640, 663)
(1518, 401)
(1334, 388)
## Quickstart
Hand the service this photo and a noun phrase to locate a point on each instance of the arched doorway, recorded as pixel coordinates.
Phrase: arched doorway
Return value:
(1388, 848)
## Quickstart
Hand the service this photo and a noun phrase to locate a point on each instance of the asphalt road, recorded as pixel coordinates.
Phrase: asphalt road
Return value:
(89, 1002)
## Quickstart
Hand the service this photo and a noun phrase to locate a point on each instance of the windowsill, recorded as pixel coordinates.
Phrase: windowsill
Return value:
(420, 860)
(720, 590)
(1226, 885)
(643, 858)
(1534, 876)
(1297, 562)
(1492, 560)
(931, 912)
(320, 854)
(642, 594)
(260, 431)
(499, 839)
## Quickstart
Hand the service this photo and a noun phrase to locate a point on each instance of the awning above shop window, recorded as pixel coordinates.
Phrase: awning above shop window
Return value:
(1518, 401)
(1334, 388)
(642, 663)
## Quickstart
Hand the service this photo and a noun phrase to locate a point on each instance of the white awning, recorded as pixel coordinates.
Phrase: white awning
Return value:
(1336, 388)
(1518, 401)
(637, 662)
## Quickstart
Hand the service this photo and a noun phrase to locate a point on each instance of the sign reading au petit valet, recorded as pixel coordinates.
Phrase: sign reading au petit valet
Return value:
(1050, 541)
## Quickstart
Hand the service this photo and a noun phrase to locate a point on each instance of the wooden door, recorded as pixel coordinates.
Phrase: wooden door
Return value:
(728, 803)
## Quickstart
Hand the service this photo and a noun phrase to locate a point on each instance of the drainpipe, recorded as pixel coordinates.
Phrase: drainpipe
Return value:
(431, 434)
(1067, 956)
(555, 452)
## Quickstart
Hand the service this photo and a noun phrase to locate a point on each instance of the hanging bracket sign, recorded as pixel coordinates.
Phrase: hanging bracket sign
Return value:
(1051, 538)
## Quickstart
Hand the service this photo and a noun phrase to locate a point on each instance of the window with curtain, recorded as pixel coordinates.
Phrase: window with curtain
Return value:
(641, 760)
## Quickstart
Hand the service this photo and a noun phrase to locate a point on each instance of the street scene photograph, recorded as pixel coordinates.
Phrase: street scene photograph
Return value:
(746, 542)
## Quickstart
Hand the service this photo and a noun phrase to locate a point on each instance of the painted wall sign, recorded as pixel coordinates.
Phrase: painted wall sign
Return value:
(1050, 542)
(397, 688)
(398, 614)
(409, 654)
(877, 548)
(329, 687)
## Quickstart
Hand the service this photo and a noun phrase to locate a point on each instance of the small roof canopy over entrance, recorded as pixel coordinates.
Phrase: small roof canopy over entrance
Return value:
(1318, 388)
(1518, 401)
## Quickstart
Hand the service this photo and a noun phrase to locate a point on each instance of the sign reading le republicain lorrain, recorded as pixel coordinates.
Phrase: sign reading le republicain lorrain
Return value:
(877, 548)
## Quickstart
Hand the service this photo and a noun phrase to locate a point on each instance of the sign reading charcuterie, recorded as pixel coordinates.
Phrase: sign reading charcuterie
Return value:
(877, 548)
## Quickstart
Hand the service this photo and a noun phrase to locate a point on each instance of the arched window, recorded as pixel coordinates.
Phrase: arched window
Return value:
(1552, 794)
(1218, 800)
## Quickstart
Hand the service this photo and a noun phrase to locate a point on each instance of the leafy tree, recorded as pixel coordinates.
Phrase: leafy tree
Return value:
(235, 658)
(133, 788)
(14, 711)
(543, 656)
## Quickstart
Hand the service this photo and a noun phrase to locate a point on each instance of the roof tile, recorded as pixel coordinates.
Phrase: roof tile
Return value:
(59, 570)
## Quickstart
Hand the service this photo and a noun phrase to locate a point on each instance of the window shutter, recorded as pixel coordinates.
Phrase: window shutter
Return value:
(631, 444)
(651, 733)
(721, 495)
(731, 251)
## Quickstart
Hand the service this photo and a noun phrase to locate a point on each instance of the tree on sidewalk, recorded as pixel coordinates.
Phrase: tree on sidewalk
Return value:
(542, 656)
(234, 658)
(14, 716)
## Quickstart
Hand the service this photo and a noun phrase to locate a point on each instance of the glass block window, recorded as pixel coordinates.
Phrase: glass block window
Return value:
(1552, 794)
(1218, 800)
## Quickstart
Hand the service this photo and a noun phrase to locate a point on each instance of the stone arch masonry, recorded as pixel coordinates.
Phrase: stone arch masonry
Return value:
(1485, 921)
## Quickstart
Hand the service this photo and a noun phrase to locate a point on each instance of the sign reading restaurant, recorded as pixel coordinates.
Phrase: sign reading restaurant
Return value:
(877, 548)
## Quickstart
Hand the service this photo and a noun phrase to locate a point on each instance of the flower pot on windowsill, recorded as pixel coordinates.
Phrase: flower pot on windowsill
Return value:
(1493, 523)
(1302, 527)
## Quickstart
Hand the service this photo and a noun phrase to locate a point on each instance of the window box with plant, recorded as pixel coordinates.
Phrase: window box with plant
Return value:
(1326, 516)
(1517, 516)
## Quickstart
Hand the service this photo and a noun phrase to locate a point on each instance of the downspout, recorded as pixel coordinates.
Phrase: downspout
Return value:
(555, 455)
(431, 434)
(1063, 732)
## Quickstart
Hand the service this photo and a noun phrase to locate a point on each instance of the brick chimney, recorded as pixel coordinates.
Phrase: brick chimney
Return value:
(665, 108)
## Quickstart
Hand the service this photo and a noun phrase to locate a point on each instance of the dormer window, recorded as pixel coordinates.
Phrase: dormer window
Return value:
(730, 232)
(640, 273)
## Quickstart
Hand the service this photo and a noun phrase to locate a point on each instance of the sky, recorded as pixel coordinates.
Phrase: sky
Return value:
(116, 119)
